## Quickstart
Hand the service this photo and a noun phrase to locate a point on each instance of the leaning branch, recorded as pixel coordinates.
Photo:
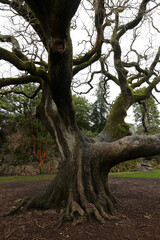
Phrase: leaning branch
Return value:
(148, 73)
(34, 94)
(127, 148)
(148, 90)
(106, 73)
(20, 80)
(132, 147)
(121, 71)
(27, 66)
(99, 18)
(140, 82)
(155, 61)
(136, 65)
(136, 21)
(15, 46)
(82, 66)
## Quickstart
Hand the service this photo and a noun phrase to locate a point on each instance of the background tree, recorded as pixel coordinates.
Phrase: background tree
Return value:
(82, 181)
(100, 107)
(23, 135)
(83, 112)
(147, 116)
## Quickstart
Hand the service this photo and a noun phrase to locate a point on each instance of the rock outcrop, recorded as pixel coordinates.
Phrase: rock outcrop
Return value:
(31, 169)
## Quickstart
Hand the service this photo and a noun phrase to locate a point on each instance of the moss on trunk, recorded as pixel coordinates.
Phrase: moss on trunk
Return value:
(116, 127)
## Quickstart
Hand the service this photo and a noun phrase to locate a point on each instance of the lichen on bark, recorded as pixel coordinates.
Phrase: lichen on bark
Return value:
(116, 127)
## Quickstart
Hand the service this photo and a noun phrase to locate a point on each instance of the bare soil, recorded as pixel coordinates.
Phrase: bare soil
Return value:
(138, 212)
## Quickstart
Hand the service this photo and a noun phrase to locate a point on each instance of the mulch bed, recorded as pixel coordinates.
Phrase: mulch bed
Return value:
(138, 212)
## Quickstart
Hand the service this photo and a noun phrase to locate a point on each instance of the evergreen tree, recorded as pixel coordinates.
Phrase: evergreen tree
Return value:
(100, 108)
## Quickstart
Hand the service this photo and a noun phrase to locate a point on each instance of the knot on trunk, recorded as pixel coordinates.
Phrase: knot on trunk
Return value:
(58, 45)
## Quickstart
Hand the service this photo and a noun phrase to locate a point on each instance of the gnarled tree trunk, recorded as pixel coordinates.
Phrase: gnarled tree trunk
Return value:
(81, 184)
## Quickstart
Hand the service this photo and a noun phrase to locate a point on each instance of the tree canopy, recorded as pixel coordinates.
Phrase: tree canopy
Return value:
(110, 23)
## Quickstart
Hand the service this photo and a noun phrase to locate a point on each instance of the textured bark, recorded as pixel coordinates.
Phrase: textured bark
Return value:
(116, 127)
(81, 185)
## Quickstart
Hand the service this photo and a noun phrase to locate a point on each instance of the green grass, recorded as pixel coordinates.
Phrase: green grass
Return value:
(155, 173)
(25, 178)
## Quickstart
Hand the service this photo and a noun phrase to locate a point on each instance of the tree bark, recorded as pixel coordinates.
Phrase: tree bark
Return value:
(81, 185)
(116, 127)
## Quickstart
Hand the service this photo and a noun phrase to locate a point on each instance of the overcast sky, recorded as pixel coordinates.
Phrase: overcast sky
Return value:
(145, 35)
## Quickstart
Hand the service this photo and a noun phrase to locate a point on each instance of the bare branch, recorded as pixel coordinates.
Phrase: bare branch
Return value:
(20, 80)
(148, 90)
(92, 59)
(15, 46)
(142, 80)
(23, 10)
(136, 21)
(21, 92)
(155, 61)
(137, 67)
(122, 72)
(106, 73)
(127, 148)
(21, 65)
(155, 98)
(99, 18)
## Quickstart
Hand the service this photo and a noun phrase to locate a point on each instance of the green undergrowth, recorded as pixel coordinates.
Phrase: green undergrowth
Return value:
(25, 178)
(155, 173)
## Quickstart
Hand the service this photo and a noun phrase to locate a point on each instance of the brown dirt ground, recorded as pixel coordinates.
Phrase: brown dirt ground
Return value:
(138, 212)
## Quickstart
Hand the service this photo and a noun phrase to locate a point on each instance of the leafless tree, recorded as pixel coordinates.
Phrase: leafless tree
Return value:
(82, 181)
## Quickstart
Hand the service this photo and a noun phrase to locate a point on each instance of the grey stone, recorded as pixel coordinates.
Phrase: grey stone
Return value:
(8, 158)
(8, 170)
(18, 170)
(49, 167)
(31, 170)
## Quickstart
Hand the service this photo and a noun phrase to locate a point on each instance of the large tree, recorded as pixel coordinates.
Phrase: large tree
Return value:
(82, 181)
(100, 107)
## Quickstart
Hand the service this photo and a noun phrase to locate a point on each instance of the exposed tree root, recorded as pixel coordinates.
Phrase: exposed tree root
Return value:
(74, 211)
(17, 208)
(79, 216)
(85, 195)
(60, 219)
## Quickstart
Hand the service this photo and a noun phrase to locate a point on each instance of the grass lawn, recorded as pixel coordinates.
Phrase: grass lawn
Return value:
(155, 173)
(25, 178)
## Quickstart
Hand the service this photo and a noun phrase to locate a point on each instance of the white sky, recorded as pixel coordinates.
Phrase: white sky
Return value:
(146, 35)
(79, 35)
